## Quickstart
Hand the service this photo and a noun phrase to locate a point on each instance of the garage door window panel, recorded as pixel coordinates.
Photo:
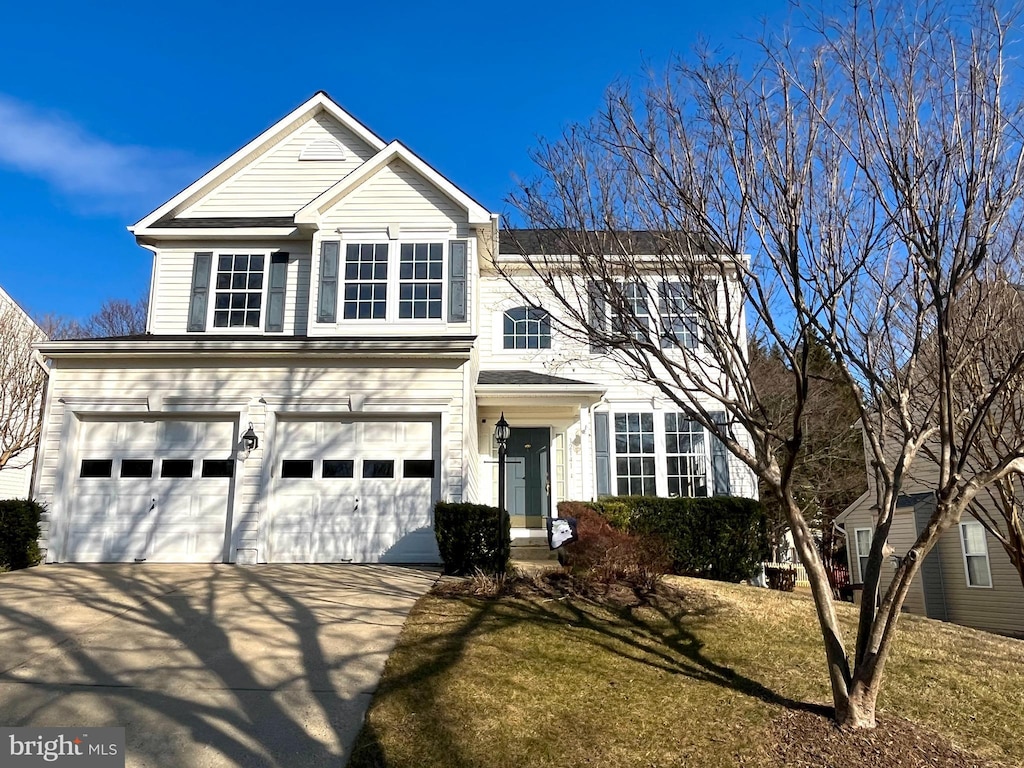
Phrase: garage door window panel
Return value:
(337, 469)
(378, 468)
(176, 468)
(218, 468)
(418, 468)
(292, 468)
(136, 467)
(96, 467)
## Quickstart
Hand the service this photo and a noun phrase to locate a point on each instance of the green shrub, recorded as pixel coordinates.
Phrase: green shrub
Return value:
(467, 537)
(19, 534)
(723, 538)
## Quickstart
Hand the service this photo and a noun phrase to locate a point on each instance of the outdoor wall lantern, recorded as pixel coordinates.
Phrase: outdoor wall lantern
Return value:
(501, 435)
(249, 439)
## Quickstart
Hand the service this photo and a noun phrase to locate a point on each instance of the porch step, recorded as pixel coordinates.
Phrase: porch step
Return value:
(533, 550)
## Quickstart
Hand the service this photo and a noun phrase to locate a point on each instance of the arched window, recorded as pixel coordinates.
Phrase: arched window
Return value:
(527, 328)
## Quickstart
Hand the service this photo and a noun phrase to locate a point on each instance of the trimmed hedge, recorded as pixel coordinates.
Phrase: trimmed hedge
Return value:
(19, 534)
(467, 536)
(723, 538)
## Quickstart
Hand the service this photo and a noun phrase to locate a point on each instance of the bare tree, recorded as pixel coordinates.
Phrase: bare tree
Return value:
(116, 317)
(873, 173)
(22, 380)
(993, 324)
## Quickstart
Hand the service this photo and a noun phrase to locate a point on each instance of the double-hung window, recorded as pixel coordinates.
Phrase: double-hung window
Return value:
(635, 454)
(366, 281)
(975, 549)
(420, 281)
(630, 314)
(238, 290)
(678, 315)
(685, 456)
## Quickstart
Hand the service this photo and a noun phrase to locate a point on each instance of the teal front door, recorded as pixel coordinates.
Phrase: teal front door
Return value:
(528, 476)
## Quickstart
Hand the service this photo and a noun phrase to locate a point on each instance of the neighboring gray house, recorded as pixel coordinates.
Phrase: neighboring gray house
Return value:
(966, 579)
(334, 296)
(18, 333)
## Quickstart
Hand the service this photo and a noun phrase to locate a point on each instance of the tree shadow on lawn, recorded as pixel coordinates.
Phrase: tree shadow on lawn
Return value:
(659, 635)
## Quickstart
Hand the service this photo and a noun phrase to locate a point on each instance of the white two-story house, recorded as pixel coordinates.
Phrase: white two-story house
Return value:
(329, 347)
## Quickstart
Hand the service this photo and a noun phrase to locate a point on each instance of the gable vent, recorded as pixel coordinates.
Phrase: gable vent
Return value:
(322, 149)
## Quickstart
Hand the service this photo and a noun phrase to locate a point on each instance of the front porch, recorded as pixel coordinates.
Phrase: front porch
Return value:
(546, 458)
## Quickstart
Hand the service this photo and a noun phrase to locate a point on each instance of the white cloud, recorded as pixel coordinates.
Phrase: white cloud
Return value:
(95, 174)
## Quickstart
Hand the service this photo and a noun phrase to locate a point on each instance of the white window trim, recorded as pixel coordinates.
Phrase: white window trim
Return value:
(393, 282)
(243, 330)
(856, 548)
(963, 553)
(660, 448)
(709, 472)
(531, 351)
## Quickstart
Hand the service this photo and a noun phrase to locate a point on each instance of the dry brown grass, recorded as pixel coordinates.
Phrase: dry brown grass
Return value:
(701, 676)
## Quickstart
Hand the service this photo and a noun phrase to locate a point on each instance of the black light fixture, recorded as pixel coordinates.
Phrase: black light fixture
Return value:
(249, 440)
(501, 435)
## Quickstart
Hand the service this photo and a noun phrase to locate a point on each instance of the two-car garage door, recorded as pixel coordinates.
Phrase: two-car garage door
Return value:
(354, 490)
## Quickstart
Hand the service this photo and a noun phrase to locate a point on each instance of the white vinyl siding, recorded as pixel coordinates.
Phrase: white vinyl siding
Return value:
(278, 183)
(395, 195)
(173, 288)
(974, 547)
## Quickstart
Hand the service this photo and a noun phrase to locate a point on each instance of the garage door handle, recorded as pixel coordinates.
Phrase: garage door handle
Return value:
(152, 505)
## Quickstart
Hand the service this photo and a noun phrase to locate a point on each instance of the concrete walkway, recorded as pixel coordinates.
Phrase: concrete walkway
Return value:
(203, 665)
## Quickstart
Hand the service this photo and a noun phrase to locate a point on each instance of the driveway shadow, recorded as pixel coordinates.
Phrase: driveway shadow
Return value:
(203, 665)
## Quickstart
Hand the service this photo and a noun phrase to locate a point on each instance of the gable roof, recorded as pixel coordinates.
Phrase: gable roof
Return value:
(320, 102)
(7, 301)
(310, 213)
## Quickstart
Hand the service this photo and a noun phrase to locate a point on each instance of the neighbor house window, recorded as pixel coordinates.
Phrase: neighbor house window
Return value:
(635, 459)
(862, 539)
(685, 456)
(678, 315)
(420, 280)
(975, 549)
(527, 328)
(366, 281)
(238, 291)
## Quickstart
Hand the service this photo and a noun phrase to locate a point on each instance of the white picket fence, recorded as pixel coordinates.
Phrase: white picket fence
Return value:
(801, 572)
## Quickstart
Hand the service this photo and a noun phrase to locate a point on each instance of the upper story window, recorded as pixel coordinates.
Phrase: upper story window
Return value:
(630, 314)
(392, 281)
(420, 280)
(527, 328)
(238, 291)
(366, 281)
(975, 548)
(678, 315)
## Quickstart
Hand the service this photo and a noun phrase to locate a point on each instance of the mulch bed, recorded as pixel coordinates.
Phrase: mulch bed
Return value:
(807, 740)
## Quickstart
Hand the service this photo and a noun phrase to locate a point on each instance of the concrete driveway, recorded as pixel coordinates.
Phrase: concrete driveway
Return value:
(203, 665)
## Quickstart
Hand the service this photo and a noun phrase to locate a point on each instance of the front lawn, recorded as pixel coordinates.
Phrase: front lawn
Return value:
(711, 674)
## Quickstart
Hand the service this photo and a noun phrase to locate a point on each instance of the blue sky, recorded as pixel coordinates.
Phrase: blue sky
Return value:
(108, 109)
